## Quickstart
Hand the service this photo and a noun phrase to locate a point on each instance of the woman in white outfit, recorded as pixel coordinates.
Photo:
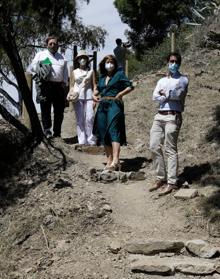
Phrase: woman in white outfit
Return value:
(83, 81)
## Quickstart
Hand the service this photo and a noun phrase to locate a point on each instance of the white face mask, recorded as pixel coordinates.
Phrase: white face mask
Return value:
(109, 66)
(82, 62)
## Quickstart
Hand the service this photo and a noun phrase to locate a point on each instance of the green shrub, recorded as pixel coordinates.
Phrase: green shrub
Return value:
(155, 58)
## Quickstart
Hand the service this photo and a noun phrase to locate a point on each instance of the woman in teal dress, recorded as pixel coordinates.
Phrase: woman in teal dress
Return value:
(109, 125)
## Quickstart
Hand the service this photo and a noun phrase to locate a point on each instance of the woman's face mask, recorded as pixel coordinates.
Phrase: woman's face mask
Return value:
(109, 66)
(82, 62)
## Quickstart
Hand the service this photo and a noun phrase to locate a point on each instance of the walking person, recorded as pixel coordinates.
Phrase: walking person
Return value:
(109, 123)
(170, 93)
(51, 69)
(84, 82)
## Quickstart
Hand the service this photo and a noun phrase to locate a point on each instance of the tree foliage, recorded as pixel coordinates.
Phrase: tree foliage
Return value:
(149, 20)
(24, 25)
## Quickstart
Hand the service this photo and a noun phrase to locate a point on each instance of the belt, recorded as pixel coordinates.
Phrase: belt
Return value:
(107, 98)
(167, 112)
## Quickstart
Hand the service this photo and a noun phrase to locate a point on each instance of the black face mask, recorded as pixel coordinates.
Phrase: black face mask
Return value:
(52, 47)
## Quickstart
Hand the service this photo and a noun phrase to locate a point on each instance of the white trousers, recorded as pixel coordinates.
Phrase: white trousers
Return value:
(84, 121)
(164, 133)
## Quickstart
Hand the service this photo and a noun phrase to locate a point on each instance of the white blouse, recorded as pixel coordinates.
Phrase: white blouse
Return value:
(83, 83)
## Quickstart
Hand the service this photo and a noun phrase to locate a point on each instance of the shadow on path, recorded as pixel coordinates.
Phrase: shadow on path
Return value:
(72, 140)
(134, 164)
(195, 173)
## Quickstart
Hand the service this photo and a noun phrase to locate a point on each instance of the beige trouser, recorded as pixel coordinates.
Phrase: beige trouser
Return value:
(164, 132)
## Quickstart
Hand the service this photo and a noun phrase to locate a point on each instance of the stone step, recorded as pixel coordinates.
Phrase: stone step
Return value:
(152, 247)
(171, 265)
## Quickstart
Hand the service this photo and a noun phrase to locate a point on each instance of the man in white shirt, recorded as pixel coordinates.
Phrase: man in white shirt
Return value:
(170, 93)
(53, 86)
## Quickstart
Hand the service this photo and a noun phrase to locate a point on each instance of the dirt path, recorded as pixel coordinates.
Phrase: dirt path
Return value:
(60, 224)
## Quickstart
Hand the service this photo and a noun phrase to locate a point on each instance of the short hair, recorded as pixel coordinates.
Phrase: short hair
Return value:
(177, 55)
(50, 37)
(102, 69)
(118, 41)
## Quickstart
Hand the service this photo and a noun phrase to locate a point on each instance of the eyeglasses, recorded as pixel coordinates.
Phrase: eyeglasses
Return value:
(173, 61)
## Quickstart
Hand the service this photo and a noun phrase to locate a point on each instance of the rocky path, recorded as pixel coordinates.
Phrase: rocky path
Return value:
(64, 224)
(139, 216)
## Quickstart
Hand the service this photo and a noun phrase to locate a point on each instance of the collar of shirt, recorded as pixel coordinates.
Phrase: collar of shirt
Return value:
(176, 75)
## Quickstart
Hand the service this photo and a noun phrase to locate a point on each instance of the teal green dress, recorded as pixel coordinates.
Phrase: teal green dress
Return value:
(109, 123)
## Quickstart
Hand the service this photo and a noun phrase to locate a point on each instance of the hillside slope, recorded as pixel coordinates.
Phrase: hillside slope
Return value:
(57, 223)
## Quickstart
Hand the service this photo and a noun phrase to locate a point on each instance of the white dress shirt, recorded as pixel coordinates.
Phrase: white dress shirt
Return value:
(175, 88)
(59, 71)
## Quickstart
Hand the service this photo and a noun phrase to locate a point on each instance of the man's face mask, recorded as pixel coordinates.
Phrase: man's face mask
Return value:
(52, 46)
(173, 66)
(109, 66)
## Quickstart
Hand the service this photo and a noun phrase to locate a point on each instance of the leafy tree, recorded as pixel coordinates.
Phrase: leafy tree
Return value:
(149, 20)
(24, 25)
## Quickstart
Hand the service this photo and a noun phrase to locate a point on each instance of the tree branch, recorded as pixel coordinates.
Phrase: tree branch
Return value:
(9, 98)
(15, 122)
(8, 80)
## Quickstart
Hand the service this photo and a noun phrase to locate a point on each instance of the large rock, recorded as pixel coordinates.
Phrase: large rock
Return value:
(151, 268)
(217, 267)
(201, 248)
(108, 176)
(195, 269)
(186, 194)
(171, 265)
(138, 175)
(154, 247)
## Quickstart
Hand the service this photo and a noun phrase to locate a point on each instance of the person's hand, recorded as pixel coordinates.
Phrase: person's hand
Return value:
(94, 105)
(118, 97)
(162, 93)
(95, 98)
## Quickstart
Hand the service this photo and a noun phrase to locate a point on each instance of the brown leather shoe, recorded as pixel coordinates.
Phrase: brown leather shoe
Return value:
(169, 189)
(158, 184)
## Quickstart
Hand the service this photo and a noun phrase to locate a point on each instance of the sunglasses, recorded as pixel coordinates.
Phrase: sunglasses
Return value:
(173, 61)
(52, 43)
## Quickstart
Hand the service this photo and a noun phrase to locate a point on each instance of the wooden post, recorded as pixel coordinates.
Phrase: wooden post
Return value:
(173, 29)
(173, 45)
(25, 115)
(71, 76)
(70, 104)
(126, 67)
(95, 61)
(74, 56)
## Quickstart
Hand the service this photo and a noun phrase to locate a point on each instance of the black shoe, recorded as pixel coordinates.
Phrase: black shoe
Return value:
(48, 134)
(56, 135)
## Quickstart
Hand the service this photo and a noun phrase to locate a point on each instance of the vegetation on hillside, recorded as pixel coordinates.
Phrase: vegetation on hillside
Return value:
(149, 21)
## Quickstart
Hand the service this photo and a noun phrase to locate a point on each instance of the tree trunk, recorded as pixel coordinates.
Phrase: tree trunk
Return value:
(10, 48)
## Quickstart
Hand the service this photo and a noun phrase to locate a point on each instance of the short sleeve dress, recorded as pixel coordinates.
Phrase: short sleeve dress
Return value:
(109, 124)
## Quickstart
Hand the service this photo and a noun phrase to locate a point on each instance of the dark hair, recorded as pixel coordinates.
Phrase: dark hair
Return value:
(118, 41)
(50, 37)
(177, 55)
(102, 64)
